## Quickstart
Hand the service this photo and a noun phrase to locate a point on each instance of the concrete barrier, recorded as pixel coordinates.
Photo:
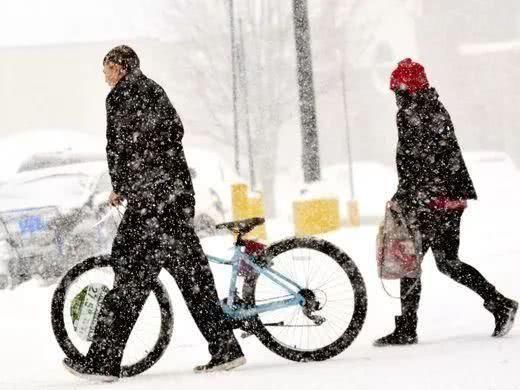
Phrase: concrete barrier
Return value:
(246, 206)
(315, 216)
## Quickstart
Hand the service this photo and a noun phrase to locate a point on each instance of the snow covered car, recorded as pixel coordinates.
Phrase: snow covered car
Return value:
(49, 216)
(49, 219)
(47, 147)
(44, 160)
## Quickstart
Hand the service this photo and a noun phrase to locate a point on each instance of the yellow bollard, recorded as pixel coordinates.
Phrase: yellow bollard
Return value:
(256, 209)
(316, 216)
(248, 207)
(239, 201)
(353, 218)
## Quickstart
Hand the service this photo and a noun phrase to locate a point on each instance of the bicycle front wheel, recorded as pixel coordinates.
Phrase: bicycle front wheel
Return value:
(335, 300)
(150, 336)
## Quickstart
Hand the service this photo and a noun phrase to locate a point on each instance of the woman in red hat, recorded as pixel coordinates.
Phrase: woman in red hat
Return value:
(434, 186)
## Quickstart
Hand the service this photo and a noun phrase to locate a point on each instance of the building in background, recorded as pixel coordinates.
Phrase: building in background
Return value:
(471, 49)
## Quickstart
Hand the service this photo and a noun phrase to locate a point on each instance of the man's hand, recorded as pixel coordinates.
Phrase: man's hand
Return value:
(114, 199)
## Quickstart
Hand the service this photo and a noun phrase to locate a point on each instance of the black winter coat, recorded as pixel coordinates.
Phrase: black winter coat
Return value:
(145, 155)
(429, 159)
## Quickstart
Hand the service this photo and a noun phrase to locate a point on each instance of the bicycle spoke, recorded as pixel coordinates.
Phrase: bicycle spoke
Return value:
(327, 279)
(146, 330)
(330, 283)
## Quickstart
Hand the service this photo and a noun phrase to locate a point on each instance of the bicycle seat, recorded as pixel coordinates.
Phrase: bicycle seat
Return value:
(243, 226)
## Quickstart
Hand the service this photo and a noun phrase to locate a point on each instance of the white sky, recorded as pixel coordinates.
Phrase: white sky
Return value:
(41, 22)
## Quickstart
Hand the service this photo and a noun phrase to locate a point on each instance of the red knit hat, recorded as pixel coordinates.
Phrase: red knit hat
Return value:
(409, 76)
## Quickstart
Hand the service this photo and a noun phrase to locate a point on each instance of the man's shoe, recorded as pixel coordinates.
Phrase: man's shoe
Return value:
(504, 310)
(85, 372)
(404, 334)
(222, 363)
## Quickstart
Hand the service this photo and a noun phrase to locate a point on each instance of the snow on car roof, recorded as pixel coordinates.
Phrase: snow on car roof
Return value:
(94, 169)
(17, 148)
(48, 160)
(66, 187)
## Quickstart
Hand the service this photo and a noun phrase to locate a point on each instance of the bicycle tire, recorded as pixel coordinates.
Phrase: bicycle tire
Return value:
(360, 301)
(68, 347)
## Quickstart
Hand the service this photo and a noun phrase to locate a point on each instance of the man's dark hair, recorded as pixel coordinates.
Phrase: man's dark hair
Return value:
(123, 55)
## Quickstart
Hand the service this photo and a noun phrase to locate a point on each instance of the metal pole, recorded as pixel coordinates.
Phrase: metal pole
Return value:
(244, 83)
(310, 145)
(347, 128)
(236, 139)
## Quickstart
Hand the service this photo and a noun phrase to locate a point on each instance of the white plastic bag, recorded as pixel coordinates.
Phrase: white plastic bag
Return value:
(399, 248)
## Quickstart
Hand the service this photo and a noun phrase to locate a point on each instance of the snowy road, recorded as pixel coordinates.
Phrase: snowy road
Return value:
(455, 350)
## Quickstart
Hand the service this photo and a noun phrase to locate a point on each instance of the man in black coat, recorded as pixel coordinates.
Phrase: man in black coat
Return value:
(148, 169)
(434, 186)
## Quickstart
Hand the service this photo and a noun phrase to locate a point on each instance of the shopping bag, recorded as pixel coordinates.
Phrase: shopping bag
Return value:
(399, 248)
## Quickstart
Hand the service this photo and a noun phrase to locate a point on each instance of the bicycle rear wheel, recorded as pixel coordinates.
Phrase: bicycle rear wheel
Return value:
(335, 300)
(152, 332)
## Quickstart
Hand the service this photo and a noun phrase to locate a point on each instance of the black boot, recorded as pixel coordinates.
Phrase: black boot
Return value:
(83, 370)
(504, 310)
(405, 333)
(222, 363)
(230, 356)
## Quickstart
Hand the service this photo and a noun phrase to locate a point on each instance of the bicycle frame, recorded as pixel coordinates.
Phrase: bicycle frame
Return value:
(235, 311)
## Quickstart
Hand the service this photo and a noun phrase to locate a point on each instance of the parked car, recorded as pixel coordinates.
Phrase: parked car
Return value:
(58, 158)
(49, 219)
(20, 148)
(49, 212)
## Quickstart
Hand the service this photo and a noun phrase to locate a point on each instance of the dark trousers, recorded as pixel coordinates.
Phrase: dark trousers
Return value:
(148, 239)
(440, 231)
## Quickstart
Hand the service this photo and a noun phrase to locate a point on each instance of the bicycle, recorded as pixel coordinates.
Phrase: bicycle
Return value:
(286, 301)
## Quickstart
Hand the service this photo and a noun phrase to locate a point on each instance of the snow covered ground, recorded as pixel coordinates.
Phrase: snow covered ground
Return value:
(455, 350)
